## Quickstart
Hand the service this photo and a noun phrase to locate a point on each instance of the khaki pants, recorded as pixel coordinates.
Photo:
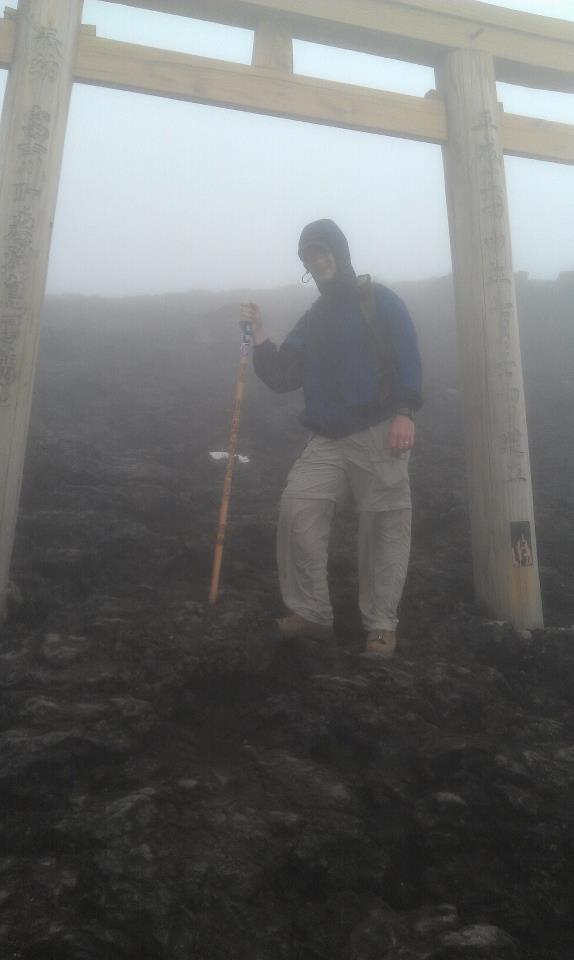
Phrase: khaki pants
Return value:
(324, 476)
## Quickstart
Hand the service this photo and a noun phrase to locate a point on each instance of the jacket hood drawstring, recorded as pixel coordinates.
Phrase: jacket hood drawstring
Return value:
(327, 234)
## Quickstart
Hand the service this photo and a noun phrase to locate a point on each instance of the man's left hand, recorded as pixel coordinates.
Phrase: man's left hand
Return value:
(401, 435)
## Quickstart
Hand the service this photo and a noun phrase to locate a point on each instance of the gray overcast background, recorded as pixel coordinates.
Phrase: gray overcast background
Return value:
(158, 195)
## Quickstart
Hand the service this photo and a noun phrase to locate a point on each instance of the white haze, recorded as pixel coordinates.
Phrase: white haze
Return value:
(159, 195)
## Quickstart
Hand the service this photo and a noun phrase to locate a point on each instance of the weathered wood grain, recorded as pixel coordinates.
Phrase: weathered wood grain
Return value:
(257, 89)
(528, 49)
(32, 135)
(269, 90)
(496, 436)
(273, 44)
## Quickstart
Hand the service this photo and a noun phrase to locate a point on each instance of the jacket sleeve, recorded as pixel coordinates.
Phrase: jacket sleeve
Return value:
(406, 350)
(281, 369)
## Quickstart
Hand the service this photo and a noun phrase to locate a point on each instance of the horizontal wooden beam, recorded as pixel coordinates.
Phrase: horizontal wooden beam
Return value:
(164, 73)
(181, 76)
(538, 139)
(528, 49)
(499, 17)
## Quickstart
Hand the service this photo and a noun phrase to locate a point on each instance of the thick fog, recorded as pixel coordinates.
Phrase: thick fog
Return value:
(184, 780)
(158, 195)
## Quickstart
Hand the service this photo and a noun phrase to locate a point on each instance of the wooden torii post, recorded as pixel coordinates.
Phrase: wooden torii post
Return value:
(32, 137)
(470, 44)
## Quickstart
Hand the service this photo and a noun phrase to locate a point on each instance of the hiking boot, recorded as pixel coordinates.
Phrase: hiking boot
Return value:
(382, 643)
(294, 626)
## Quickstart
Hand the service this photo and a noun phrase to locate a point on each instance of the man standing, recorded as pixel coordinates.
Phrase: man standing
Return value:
(355, 355)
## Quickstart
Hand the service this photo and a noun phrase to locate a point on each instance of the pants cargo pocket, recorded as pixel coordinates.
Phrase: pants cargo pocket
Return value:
(388, 486)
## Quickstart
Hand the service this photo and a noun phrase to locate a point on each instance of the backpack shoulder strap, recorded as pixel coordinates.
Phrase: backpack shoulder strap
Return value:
(368, 307)
(379, 333)
(366, 291)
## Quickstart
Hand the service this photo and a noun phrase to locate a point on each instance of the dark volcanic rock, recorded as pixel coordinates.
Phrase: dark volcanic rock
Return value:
(480, 941)
(176, 782)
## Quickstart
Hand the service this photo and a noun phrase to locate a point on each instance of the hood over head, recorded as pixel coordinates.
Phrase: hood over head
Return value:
(329, 235)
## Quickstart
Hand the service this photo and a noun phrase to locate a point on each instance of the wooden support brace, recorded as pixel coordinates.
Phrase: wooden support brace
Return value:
(273, 45)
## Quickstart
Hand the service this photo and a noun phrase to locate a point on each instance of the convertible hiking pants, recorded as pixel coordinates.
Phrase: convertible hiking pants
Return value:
(326, 473)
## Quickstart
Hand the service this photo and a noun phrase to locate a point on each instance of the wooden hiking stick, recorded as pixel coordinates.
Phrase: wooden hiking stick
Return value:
(232, 456)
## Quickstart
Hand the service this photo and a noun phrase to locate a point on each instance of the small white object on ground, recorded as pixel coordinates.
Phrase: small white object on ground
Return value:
(222, 455)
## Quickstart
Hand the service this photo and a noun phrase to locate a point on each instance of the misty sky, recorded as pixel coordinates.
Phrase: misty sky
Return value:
(158, 195)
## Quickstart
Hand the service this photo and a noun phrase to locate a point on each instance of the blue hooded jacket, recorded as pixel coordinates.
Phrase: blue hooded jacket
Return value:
(333, 354)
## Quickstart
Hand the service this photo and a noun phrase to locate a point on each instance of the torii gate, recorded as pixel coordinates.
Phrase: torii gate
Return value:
(470, 44)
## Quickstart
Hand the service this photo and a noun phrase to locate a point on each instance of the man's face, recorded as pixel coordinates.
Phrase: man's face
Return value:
(320, 262)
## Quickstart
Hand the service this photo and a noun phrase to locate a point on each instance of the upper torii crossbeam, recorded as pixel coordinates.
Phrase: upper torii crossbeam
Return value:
(470, 44)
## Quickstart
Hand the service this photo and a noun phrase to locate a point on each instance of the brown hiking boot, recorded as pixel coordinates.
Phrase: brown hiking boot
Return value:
(294, 626)
(382, 643)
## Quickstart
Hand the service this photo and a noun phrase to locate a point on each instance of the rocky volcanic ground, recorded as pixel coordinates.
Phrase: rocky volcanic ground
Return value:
(177, 785)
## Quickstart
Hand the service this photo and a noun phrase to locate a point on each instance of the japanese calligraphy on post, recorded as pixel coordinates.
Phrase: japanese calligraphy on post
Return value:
(501, 305)
(17, 244)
